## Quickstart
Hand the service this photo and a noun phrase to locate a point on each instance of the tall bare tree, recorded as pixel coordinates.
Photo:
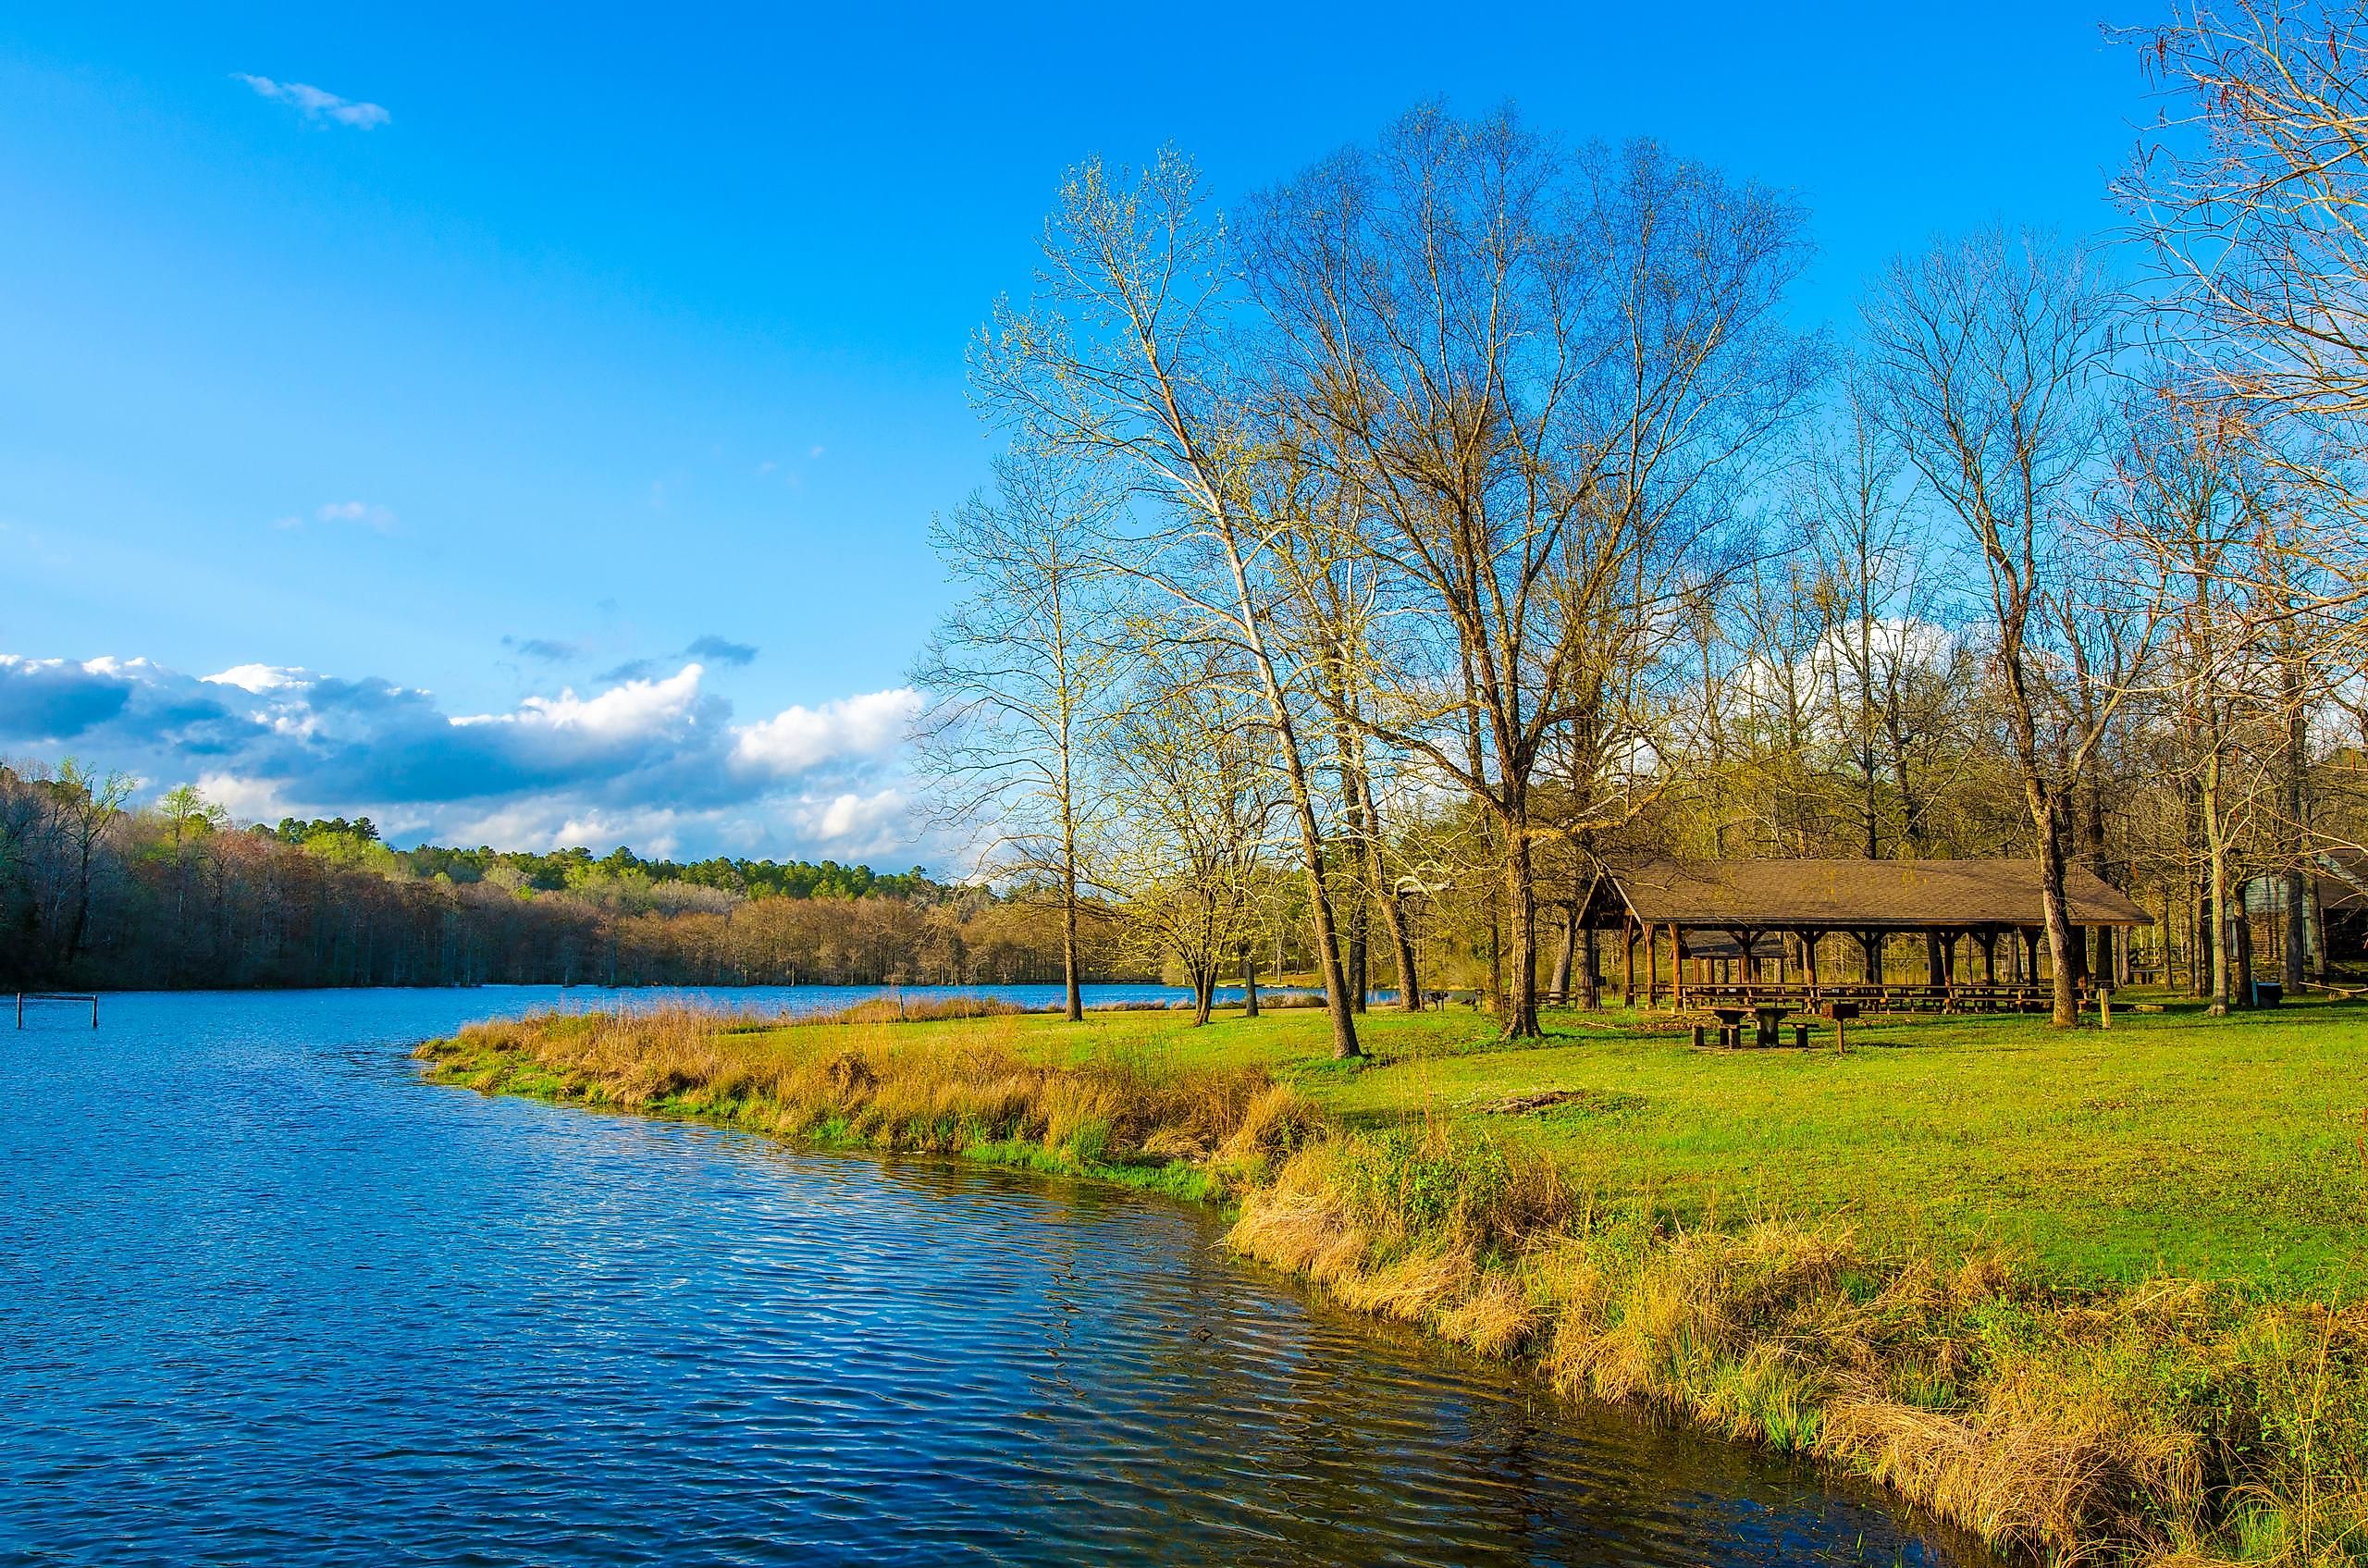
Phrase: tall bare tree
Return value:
(1122, 357)
(1018, 676)
(1982, 357)
(2185, 495)
(1894, 696)
(88, 804)
(2255, 193)
(1534, 367)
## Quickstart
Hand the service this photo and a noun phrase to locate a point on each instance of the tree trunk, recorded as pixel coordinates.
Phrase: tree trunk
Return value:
(1519, 988)
(2242, 920)
(2046, 822)
(1560, 993)
(1073, 1008)
(2295, 831)
(1410, 988)
(2318, 933)
(1250, 983)
(1356, 960)
(1310, 835)
(2216, 852)
(2298, 946)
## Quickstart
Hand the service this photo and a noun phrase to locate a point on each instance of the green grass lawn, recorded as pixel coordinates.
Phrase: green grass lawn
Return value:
(2223, 1148)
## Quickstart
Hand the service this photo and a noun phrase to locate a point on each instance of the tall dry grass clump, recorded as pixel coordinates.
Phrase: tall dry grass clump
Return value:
(2172, 1423)
(917, 1009)
(1203, 1132)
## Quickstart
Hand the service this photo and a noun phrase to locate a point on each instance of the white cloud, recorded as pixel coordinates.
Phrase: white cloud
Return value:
(798, 739)
(248, 800)
(256, 678)
(315, 104)
(623, 713)
(855, 824)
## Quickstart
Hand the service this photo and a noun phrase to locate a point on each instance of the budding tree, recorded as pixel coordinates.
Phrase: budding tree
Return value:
(1127, 356)
(1018, 676)
(1982, 358)
(1532, 366)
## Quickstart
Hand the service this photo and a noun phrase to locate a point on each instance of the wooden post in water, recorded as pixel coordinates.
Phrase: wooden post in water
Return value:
(24, 997)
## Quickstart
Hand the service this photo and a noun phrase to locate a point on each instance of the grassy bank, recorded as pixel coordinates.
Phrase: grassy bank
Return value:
(2092, 1295)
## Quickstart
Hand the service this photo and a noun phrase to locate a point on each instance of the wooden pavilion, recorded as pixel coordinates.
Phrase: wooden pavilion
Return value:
(1733, 921)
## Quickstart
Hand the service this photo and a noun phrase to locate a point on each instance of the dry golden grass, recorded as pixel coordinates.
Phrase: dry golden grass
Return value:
(870, 1082)
(917, 1010)
(2173, 1424)
(2163, 1425)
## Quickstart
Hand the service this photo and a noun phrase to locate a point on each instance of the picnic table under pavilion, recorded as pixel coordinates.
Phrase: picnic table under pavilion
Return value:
(1755, 931)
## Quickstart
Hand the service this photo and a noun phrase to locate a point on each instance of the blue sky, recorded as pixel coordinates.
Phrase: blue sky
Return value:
(409, 367)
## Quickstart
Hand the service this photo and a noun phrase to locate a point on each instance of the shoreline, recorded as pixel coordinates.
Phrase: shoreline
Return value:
(2170, 1421)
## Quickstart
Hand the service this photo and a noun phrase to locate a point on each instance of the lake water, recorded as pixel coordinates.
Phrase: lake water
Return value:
(267, 1297)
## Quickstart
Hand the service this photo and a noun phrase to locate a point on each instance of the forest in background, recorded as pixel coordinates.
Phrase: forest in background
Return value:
(98, 891)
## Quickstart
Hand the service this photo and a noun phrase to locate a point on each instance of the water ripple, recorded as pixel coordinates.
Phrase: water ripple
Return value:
(271, 1299)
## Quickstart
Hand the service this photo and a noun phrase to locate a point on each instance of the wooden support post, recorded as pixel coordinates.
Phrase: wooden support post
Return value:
(1652, 965)
(1628, 962)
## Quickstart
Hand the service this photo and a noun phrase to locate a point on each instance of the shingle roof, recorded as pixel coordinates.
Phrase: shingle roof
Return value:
(1851, 895)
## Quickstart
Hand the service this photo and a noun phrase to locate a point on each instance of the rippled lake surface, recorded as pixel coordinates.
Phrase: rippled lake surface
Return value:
(266, 1297)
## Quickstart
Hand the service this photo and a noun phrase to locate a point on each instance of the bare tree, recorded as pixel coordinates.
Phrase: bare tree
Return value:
(1121, 357)
(1981, 360)
(1198, 799)
(1531, 367)
(1895, 732)
(2254, 194)
(1334, 623)
(88, 804)
(2185, 493)
(1018, 675)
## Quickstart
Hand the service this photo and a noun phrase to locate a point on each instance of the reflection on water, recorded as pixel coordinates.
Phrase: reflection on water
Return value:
(272, 1299)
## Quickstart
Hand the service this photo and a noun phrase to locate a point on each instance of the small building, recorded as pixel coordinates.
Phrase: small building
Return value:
(2342, 889)
(1719, 916)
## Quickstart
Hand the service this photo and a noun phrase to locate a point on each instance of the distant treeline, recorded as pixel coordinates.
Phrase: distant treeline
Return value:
(96, 891)
(561, 869)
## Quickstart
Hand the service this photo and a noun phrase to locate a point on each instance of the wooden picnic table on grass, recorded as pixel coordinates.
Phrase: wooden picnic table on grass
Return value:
(1770, 1017)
